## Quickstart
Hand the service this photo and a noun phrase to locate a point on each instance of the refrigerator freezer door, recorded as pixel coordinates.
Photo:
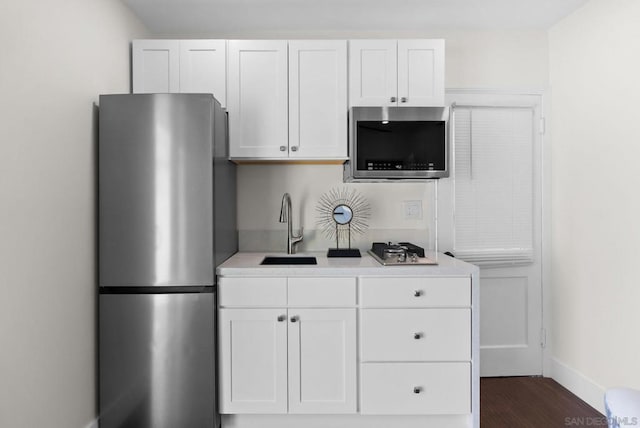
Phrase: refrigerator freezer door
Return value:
(155, 157)
(157, 365)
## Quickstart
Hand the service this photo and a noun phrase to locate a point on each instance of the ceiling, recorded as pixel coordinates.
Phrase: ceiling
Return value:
(201, 17)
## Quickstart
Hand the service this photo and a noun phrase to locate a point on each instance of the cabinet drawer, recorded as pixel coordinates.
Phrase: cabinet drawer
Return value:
(416, 388)
(416, 334)
(267, 292)
(415, 292)
(313, 292)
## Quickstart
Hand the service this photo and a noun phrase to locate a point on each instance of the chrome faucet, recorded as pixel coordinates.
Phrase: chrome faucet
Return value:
(285, 217)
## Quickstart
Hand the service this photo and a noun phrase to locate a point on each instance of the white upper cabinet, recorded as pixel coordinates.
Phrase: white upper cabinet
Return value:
(156, 66)
(396, 73)
(180, 66)
(288, 100)
(203, 68)
(318, 99)
(257, 99)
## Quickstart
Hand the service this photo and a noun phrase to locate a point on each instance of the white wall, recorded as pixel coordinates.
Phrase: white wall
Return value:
(56, 58)
(506, 60)
(595, 69)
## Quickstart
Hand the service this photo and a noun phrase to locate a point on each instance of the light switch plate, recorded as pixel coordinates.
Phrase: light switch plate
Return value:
(412, 210)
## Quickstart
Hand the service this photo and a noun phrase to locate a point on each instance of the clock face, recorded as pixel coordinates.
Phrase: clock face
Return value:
(342, 214)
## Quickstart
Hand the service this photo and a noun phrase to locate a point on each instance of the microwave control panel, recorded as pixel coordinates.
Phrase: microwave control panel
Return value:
(395, 165)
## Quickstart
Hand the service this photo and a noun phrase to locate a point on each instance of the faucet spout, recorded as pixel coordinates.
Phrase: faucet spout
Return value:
(285, 217)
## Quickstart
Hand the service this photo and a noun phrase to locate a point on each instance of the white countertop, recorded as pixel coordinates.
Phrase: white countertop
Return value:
(248, 264)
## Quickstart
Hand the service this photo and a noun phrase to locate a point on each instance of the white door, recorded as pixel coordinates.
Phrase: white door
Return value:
(322, 360)
(318, 99)
(373, 73)
(490, 213)
(253, 360)
(156, 66)
(203, 67)
(421, 72)
(257, 99)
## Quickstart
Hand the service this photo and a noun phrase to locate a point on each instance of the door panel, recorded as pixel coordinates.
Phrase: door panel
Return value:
(421, 72)
(155, 65)
(322, 361)
(253, 361)
(257, 98)
(156, 360)
(510, 292)
(373, 78)
(318, 99)
(203, 68)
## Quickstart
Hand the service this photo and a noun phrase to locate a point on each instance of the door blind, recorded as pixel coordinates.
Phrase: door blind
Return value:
(493, 151)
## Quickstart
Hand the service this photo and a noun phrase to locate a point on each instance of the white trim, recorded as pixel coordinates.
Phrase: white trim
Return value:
(586, 389)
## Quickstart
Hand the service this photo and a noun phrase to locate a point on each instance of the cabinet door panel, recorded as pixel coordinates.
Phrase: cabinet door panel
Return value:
(421, 72)
(155, 65)
(203, 68)
(322, 361)
(253, 361)
(257, 98)
(372, 73)
(318, 99)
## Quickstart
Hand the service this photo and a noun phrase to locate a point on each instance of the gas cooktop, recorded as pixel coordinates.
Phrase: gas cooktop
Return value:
(400, 254)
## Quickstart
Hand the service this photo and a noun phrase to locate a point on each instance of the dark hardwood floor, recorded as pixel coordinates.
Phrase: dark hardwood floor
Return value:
(533, 402)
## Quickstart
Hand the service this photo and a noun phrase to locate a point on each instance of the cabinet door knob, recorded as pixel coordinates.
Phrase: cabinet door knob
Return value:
(294, 148)
(417, 293)
(417, 390)
(294, 319)
(282, 318)
(417, 335)
(403, 99)
(283, 148)
(393, 99)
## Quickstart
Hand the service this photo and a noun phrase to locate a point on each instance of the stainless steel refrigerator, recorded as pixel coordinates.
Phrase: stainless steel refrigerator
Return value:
(167, 218)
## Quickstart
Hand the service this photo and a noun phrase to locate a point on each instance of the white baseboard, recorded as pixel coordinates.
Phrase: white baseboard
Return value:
(586, 389)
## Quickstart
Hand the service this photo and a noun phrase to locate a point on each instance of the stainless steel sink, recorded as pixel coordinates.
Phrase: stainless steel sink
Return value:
(289, 260)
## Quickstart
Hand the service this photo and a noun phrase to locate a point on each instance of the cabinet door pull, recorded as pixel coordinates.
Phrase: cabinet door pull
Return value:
(294, 319)
(294, 148)
(283, 148)
(403, 99)
(282, 318)
(393, 99)
(417, 335)
(417, 293)
(417, 390)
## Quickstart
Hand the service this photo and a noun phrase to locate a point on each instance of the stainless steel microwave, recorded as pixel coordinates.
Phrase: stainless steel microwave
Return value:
(392, 143)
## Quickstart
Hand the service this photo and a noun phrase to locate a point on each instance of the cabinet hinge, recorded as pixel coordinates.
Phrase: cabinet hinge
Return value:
(543, 337)
(542, 127)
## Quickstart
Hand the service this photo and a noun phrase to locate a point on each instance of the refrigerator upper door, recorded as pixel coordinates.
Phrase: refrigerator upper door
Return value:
(155, 190)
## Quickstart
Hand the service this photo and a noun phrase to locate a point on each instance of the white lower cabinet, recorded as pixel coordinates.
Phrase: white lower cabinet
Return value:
(288, 359)
(324, 345)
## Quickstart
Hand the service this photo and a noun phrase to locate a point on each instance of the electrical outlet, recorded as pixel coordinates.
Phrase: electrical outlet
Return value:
(412, 210)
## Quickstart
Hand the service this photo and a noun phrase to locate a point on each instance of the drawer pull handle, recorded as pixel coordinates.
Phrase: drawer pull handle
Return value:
(294, 319)
(417, 335)
(282, 318)
(417, 293)
(417, 390)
